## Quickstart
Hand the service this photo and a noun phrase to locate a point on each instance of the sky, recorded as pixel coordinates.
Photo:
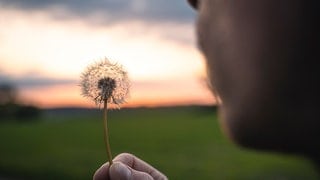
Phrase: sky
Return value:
(45, 45)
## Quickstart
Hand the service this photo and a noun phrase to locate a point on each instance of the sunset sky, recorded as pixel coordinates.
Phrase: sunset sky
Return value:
(45, 45)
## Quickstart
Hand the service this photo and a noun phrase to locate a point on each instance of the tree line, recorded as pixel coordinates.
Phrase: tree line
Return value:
(11, 107)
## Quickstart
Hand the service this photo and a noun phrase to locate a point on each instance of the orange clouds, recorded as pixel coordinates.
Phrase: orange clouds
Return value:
(142, 94)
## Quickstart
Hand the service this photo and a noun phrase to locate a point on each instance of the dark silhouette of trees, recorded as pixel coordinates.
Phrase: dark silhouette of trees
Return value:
(8, 94)
(11, 109)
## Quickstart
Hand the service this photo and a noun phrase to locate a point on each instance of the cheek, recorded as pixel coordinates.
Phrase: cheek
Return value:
(230, 69)
(213, 40)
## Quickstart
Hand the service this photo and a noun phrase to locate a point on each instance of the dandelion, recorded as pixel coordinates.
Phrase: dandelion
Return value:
(105, 82)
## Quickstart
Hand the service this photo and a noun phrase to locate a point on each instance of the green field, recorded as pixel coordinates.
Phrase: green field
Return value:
(183, 143)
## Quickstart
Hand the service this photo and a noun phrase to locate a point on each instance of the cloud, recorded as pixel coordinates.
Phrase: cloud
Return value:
(109, 11)
(32, 80)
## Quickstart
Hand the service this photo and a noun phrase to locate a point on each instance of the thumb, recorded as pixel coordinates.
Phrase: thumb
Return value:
(121, 171)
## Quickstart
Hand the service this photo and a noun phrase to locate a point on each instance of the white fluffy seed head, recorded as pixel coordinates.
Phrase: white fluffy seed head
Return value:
(104, 80)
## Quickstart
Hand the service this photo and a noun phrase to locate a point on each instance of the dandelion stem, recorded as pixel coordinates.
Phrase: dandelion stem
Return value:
(106, 132)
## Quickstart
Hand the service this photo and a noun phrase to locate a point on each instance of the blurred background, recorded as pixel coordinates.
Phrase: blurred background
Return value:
(47, 130)
(45, 45)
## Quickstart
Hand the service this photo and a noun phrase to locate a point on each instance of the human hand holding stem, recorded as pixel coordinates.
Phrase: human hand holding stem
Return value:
(107, 83)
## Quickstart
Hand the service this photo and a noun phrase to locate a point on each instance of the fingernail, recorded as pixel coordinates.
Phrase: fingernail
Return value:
(119, 171)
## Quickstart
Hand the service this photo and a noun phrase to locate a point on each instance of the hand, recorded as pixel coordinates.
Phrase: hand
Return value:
(127, 166)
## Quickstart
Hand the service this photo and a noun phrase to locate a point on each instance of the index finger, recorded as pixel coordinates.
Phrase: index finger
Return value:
(102, 173)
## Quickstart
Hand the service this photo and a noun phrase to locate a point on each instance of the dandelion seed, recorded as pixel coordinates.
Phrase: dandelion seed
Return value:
(105, 82)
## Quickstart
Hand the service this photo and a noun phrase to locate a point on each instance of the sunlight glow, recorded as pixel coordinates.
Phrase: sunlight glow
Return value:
(34, 43)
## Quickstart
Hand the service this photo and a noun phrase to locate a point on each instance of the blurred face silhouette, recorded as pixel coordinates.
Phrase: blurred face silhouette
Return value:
(261, 61)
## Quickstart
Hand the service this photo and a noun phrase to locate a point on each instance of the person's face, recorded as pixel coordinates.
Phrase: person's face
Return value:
(251, 53)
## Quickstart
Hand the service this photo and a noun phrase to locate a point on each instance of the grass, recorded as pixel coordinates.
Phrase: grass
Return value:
(184, 143)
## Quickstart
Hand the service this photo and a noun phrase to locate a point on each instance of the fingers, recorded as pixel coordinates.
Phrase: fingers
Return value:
(139, 165)
(121, 171)
(127, 166)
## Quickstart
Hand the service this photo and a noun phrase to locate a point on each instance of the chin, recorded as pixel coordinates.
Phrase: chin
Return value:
(269, 130)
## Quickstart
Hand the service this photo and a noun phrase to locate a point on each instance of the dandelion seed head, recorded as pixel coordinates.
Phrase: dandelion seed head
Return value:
(106, 86)
(104, 80)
